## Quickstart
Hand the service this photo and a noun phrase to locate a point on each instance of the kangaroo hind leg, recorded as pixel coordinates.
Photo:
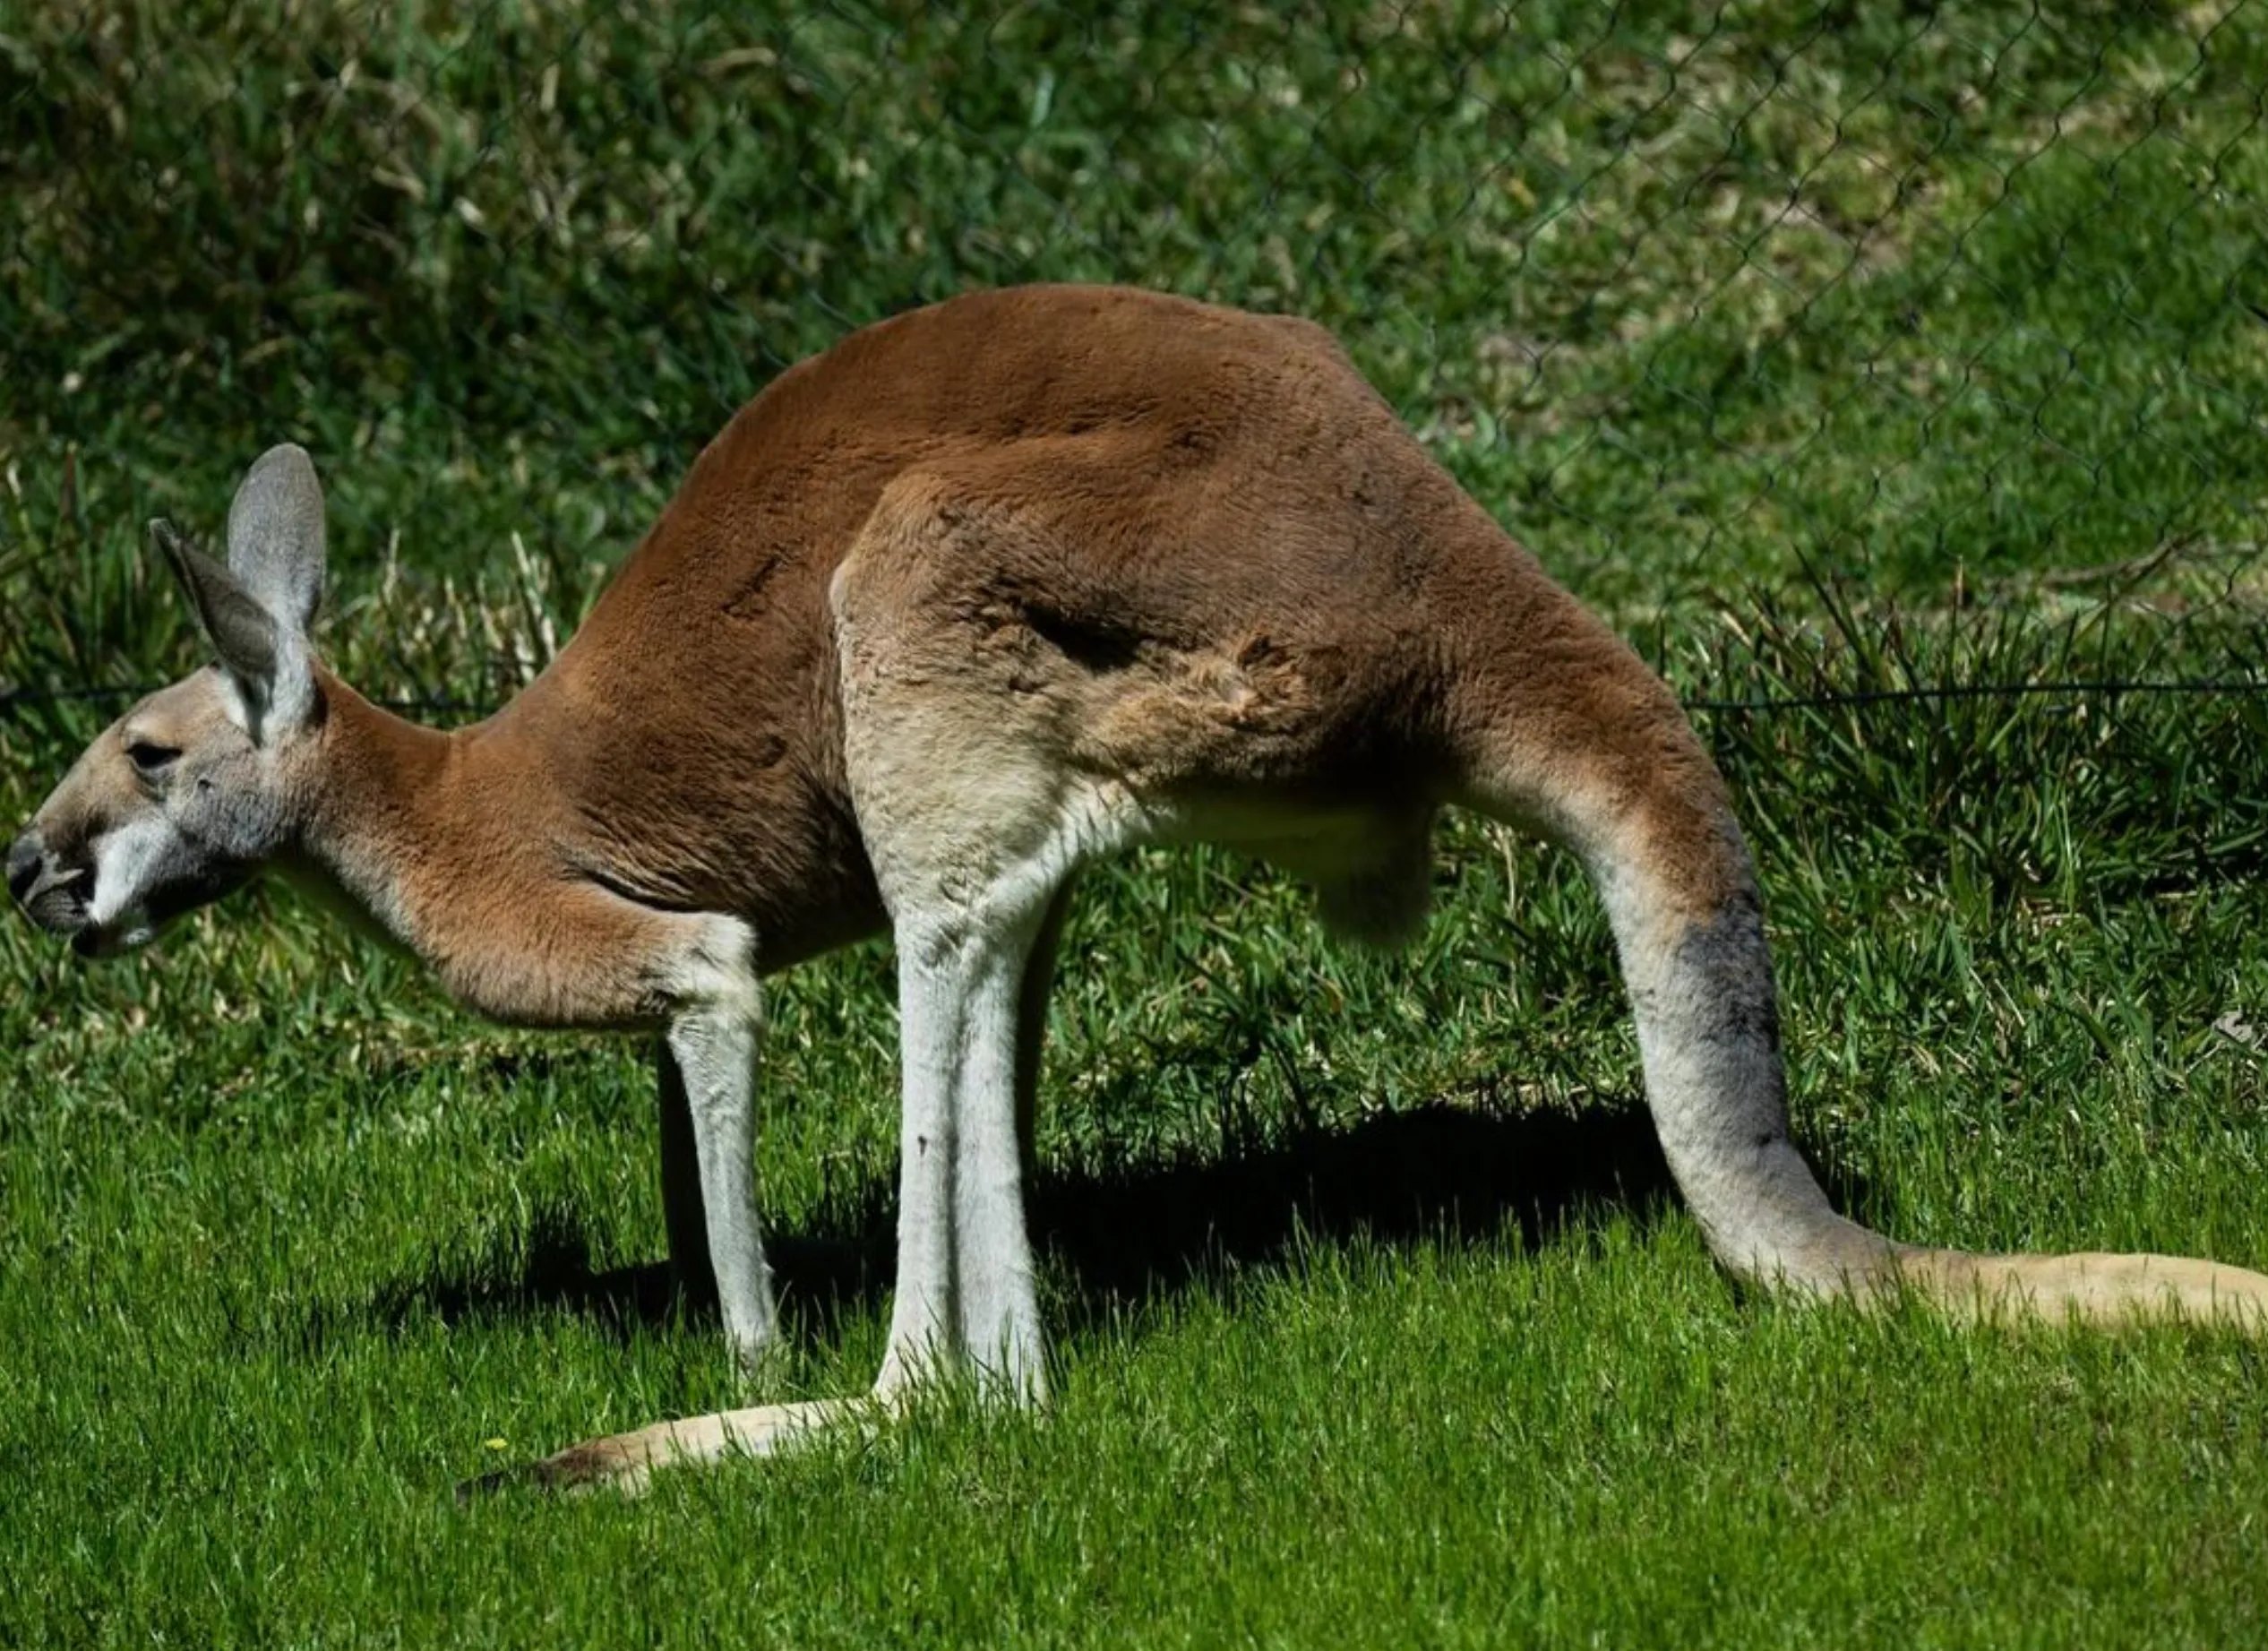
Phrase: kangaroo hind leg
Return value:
(958, 746)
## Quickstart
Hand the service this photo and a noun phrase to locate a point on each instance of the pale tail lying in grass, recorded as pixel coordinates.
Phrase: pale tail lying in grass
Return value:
(984, 593)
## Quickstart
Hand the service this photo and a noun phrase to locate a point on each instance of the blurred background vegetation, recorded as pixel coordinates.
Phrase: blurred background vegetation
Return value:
(1909, 294)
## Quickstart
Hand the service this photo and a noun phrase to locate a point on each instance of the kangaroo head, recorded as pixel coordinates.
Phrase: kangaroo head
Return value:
(191, 792)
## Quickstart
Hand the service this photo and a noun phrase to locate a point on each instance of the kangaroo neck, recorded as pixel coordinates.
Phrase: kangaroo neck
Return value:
(452, 844)
(387, 817)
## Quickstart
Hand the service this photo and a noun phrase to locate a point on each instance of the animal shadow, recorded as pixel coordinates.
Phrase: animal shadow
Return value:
(1435, 1173)
(1123, 1235)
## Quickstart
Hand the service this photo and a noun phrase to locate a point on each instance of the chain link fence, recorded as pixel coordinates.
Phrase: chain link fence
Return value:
(1931, 305)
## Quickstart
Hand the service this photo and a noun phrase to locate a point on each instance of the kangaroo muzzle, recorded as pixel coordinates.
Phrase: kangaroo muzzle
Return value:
(54, 894)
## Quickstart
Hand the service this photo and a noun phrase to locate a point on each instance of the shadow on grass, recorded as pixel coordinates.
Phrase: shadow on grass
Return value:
(1436, 1172)
(1440, 1172)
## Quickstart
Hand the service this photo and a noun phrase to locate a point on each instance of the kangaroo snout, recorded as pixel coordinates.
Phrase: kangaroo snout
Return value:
(23, 866)
(52, 894)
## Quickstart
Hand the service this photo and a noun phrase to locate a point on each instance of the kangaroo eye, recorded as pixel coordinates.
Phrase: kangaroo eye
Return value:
(148, 757)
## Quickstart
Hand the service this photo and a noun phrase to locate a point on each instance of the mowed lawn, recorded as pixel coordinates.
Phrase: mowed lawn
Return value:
(1832, 355)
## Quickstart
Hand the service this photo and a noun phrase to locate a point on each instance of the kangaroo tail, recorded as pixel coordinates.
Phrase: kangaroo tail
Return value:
(1574, 737)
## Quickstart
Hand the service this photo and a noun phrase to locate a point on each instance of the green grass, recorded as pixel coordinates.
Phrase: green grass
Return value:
(1830, 352)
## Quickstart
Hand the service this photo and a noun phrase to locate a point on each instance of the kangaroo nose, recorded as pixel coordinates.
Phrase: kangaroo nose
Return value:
(24, 856)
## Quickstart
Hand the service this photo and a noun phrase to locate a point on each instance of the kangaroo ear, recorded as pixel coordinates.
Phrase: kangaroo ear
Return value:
(257, 609)
(275, 536)
(242, 632)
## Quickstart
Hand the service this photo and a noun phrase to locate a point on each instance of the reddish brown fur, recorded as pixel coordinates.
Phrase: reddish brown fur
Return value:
(1141, 479)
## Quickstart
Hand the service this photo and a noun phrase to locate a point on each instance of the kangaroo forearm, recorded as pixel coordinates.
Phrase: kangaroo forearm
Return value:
(573, 955)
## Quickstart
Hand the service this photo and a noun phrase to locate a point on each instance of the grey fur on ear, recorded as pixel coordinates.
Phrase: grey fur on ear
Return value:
(276, 536)
(257, 608)
(241, 630)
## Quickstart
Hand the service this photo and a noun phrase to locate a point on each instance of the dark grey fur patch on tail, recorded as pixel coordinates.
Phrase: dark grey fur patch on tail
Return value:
(1728, 952)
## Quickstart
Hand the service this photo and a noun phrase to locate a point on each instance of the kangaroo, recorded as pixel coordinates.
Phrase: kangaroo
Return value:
(985, 592)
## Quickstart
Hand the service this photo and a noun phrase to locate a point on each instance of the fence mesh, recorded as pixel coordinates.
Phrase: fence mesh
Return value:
(1906, 300)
